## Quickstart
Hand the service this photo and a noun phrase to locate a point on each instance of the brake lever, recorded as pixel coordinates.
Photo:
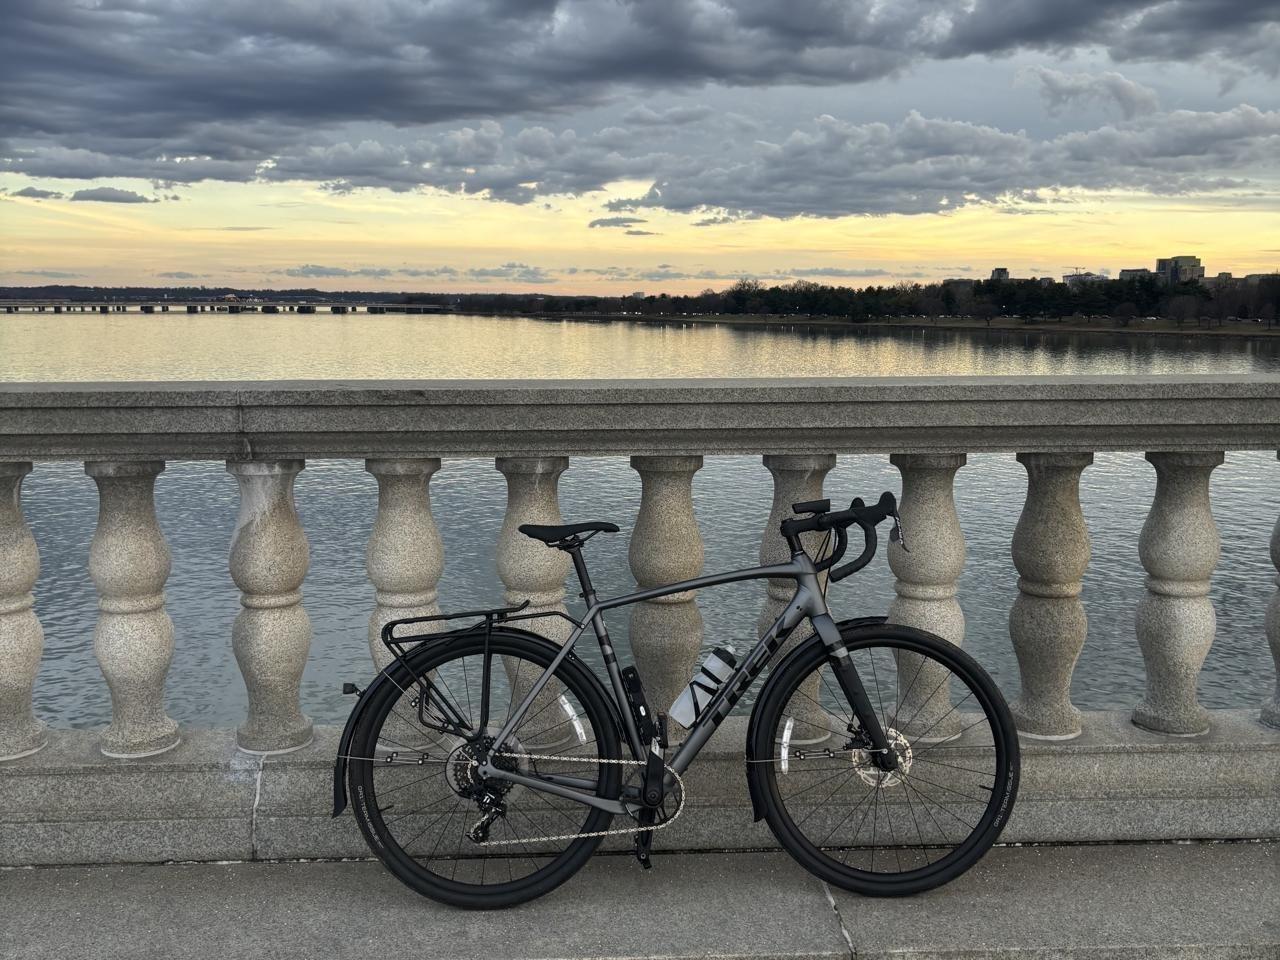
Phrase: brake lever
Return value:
(896, 535)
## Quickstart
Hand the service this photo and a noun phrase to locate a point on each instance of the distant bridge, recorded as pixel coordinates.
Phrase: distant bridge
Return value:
(213, 306)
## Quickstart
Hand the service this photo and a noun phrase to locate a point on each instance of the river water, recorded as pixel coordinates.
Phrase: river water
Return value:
(197, 502)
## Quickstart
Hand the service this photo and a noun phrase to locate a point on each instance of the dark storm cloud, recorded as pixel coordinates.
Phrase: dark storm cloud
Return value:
(34, 193)
(1246, 32)
(239, 78)
(472, 160)
(111, 195)
(834, 168)
(1243, 31)
(354, 94)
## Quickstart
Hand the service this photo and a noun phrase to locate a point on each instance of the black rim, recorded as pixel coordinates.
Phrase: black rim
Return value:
(433, 815)
(903, 826)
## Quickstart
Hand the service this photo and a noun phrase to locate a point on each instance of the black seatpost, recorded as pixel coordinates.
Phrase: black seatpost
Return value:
(580, 566)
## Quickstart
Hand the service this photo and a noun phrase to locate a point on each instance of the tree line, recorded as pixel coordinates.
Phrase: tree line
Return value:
(1123, 301)
(1030, 300)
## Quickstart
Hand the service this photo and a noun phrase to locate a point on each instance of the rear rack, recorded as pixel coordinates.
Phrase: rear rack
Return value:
(485, 619)
(490, 616)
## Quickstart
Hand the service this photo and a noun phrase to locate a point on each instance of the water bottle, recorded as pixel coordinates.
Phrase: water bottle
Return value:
(715, 670)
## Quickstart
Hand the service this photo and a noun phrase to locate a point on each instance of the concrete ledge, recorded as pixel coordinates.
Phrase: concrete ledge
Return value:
(206, 800)
(405, 418)
(1130, 902)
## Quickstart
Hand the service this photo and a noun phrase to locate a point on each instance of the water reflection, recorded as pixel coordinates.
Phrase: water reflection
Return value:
(178, 346)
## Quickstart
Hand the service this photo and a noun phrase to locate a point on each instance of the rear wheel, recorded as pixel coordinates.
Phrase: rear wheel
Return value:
(877, 832)
(428, 815)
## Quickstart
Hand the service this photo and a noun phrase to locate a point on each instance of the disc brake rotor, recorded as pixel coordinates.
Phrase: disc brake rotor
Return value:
(864, 761)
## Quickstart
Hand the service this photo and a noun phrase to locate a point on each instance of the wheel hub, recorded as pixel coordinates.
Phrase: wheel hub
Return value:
(464, 769)
(864, 761)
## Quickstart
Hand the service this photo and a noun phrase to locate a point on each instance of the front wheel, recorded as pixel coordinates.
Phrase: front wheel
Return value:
(877, 832)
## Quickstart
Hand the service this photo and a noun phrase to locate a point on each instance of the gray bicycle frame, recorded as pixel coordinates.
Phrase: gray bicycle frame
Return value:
(808, 601)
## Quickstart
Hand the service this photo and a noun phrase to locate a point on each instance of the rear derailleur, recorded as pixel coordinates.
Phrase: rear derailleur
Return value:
(492, 807)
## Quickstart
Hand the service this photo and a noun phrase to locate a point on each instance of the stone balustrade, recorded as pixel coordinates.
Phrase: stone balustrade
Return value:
(124, 433)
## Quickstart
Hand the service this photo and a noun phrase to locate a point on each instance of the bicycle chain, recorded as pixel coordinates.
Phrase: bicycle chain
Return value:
(593, 833)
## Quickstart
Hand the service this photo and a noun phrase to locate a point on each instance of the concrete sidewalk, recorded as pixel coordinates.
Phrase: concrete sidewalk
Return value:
(1126, 901)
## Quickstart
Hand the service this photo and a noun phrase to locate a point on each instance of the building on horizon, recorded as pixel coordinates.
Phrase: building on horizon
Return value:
(1136, 273)
(1084, 276)
(1000, 273)
(1183, 269)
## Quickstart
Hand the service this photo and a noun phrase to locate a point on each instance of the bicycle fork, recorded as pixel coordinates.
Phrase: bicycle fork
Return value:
(884, 757)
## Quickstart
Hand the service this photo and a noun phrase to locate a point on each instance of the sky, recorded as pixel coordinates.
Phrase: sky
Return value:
(603, 147)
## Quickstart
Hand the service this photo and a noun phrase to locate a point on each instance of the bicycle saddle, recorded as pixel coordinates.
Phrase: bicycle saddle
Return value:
(556, 533)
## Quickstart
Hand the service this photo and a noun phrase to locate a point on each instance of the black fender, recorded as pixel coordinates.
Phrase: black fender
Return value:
(384, 677)
(344, 744)
(757, 801)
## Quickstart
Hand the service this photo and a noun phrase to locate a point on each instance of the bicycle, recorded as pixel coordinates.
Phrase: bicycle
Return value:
(483, 787)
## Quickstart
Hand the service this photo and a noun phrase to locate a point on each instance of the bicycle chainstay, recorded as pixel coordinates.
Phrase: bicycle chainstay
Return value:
(593, 833)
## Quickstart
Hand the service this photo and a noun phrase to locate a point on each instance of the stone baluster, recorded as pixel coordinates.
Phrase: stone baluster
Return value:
(530, 570)
(404, 559)
(666, 546)
(926, 588)
(1271, 708)
(1179, 548)
(272, 634)
(129, 563)
(21, 639)
(796, 478)
(405, 556)
(1047, 623)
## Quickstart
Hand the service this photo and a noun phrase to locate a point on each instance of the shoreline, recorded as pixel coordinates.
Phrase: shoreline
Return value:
(1247, 331)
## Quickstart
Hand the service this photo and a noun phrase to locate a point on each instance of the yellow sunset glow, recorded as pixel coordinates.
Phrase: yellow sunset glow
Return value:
(249, 235)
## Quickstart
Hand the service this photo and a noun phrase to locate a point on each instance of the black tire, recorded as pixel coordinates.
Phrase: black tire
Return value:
(427, 762)
(955, 786)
